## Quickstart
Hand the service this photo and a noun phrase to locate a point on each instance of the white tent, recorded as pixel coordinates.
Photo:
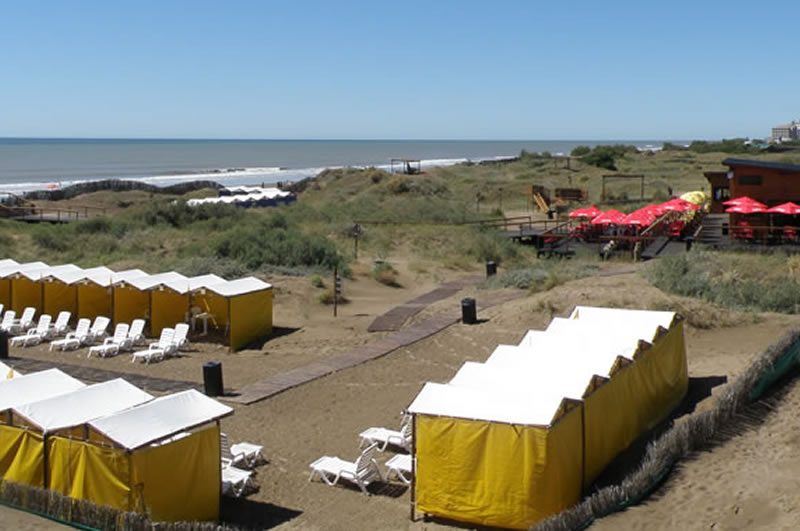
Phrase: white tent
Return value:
(242, 286)
(82, 405)
(36, 386)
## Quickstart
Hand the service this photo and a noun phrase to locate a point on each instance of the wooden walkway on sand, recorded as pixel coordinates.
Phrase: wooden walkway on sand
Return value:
(282, 382)
(394, 319)
(91, 374)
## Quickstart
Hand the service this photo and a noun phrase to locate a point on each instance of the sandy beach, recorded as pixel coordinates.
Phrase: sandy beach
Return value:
(324, 417)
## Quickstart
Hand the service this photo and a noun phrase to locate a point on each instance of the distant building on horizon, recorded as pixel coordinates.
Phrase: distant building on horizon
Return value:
(783, 132)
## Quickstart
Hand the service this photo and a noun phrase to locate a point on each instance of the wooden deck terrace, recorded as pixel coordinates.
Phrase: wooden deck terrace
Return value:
(48, 215)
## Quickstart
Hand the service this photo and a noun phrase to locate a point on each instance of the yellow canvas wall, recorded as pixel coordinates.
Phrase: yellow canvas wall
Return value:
(24, 293)
(168, 308)
(94, 300)
(130, 303)
(250, 318)
(87, 471)
(634, 400)
(21, 455)
(172, 482)
(59, 297)
(5, 293)
(497, 474)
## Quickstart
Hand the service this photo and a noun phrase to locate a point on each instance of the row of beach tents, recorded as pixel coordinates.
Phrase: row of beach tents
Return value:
(247, 196)
(518, 438)
(242, 308)
(113, 444)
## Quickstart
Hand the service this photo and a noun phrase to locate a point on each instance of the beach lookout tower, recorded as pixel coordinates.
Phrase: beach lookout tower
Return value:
(407, 166)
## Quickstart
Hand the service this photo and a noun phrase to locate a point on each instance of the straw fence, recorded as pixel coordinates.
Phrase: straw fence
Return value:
(737, 408)
(82, 514)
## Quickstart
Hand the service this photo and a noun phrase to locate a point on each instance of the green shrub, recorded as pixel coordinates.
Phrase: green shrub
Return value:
(317, 281)
(49, 238)
(384, 273)
(580, 151)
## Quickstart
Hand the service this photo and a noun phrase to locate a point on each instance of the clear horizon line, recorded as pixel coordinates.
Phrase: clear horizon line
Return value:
(233, 139)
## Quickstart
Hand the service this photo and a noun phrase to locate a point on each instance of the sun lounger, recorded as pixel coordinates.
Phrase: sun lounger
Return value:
(73, 339)
(243, 454)
(179, 339)
(8, 321)
(135, 335)
(385, 436)
(235, 481)
(25, 322)
(400, 465)
(34, 336)
(362, 472)
(157, 351)
(98, 330)
(111, 345)
(61, 326)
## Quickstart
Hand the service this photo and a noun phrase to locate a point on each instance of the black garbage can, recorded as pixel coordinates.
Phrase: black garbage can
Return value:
(212, 378)
(491, 268)
(468, 313)
(689, 242)
(3, 345)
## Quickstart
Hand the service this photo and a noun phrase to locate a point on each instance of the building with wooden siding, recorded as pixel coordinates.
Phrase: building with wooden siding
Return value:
(771, 183)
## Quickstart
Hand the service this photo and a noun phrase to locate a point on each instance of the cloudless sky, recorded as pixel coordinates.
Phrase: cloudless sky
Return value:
(434, 69)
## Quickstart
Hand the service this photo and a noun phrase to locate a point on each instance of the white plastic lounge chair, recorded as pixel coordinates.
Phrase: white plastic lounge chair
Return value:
(111, 345)
(243, 454)
(135, 335)
(25, 322)
(34, 336)
(8, 320)
(235, 481)
(98, 330)
(180, 339)
(61, 326)
(73, 339)
(385, 436)
(362, 472)
(401, 466)
(157, 351)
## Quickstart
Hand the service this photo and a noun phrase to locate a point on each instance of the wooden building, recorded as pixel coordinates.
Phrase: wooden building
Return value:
(771, 183)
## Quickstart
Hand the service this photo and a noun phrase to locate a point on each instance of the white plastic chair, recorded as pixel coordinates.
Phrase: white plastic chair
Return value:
(111, 345)
(157, 351)
(384, 436)
(98, 330)
(61, 326)
(400, 465)
(26, 321)
(135, 335)
(235, 481)
(362, 472)
(34, 336)
(242, 454)
(73, 339)
(8, 320)
(179, 339)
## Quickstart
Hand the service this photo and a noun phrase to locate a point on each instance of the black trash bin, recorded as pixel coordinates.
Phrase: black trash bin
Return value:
(3, 345)
(491, 268)
(469, 314)
(212, 378)
(689, 242)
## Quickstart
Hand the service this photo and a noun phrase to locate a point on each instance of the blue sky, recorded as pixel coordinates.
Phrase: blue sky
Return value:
(398, 70)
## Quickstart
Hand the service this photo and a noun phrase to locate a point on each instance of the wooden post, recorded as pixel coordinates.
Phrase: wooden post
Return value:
(335, 290)
(641, 195)
(603, 189)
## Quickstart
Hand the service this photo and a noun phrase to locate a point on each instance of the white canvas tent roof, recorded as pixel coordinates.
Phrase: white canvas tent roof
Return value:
(160, 418)
(40, 273)
(12, 269)
(150, 281)
(238, 287)
(615, 316)
(192, 283)
(81, 405)
(6, 262)
(128, 274)
(36, 386)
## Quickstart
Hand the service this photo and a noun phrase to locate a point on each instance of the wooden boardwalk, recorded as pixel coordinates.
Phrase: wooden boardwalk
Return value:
(91, 374)
(281, 382)
(394, 319)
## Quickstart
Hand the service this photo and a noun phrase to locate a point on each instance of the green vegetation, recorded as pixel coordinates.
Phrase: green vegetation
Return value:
(545, 275)
(385, 274)
(607, 156)
(733, 146)
(738, 281)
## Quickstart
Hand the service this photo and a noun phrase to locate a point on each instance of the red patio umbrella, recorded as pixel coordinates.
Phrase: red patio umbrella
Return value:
(746, 209)
(586, 212)
(610, 217)
(639, 217)
(678, 205)
(744, 200)
(785, 208)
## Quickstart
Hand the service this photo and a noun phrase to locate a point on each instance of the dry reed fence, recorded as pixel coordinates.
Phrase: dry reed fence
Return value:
(737, 407)
(82, 514)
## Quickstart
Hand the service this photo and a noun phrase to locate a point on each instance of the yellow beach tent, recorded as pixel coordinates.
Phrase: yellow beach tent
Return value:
(59, 413)
(7, 275)
(618, 372)
(20, 448)
(244, 305)
(161, 458)
(133, 293)
(170, 298)
(5, 283)
(129, 301)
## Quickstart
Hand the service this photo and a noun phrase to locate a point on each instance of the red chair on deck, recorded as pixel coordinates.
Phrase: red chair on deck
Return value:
(789, 234)
(743, 231)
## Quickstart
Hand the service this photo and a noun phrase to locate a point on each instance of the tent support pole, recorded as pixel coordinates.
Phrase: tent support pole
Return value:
(583, 447)
(46, 459)
(413, 468)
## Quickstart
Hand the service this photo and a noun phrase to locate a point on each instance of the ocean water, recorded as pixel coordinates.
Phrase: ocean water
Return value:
(30, 164)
